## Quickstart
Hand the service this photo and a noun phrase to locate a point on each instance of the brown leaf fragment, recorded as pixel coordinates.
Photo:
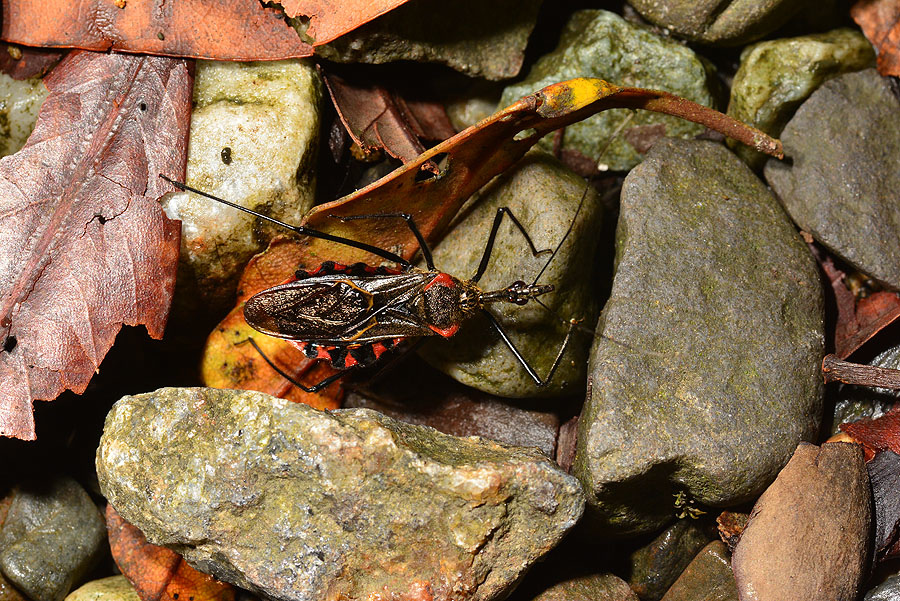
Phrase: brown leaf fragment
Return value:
(24, 63)
(158, 573)
(329, 19)
(85, 246)
(879, 434)
(239, 30)
(808, 534)
(378, 118)
(884, 474)
(880, 22)
(731, 525)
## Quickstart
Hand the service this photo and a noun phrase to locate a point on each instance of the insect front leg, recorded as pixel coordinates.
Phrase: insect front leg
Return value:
(426, 250)
(531, 371)
(489, 247)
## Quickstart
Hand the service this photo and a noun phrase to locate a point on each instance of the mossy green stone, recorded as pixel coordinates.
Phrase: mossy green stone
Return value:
(295, 503)
(842, 183)
(705, 371)
(254, 137)
(776, 76)
(597, 43)
(544, 196)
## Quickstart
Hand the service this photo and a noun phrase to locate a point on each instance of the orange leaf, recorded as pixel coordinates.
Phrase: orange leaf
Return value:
(240, 30)
(157, 573)
(880, 21)
(332, 18)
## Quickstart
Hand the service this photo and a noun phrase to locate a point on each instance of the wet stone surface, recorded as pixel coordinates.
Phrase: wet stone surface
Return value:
(889, 590)
(294, 503)
(841, 184)
(655, 566)
(728, 23)
(686, 398)
(464, 35)
(776, 76)
(820, 509)
(544, 196)
(597, 43)
(707, 578)
(51, 537)
(254, 132)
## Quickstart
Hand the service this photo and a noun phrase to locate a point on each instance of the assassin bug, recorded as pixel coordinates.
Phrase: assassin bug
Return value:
(350, 315)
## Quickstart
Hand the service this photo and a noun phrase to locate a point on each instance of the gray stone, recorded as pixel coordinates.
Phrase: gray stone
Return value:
(597, 43)
(655, 566)
(480, 39)
(841, 184)
(544, 196)
(808, 534)
(254, 135)
(705, 371)
(295, 503)
(707, 578)
(717, 22)
(52, 535)
(20, 101)
(889, 590)
(114, 588)
(776, 76)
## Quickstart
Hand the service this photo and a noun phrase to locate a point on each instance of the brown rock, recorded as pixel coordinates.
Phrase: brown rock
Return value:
(707, 578)
(807, 537)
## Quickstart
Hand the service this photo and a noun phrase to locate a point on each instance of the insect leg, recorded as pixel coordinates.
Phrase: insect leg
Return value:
(531, 372)
(298, 229)
(486, 256)
(426, 250)
(286, 376)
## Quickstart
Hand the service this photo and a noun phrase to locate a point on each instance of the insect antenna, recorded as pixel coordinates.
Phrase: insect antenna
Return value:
(298, 229)
(566, 235)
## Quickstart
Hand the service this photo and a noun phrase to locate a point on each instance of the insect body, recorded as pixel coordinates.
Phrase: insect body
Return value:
(350, 315)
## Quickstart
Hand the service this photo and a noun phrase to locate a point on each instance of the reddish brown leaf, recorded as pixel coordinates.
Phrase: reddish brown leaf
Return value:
(880, 21)
(376, 118)
(22, 62)
(330, 18)
(85, 246)
(880, 434)
(157, 573)
(468, 161)
(240, 30)
(857, 321)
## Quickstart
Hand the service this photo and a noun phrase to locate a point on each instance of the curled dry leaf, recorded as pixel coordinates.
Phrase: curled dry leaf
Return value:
(879, 434)
(241, 30)
(329, 19)
(158, 573)
(466, 162)
(880, 21)
(85, 246)
(23, 62)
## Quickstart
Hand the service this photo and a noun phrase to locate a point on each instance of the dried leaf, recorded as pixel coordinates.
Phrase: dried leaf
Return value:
(879, 434)
(330, 19)
(376, 118)
(85, 246)
(884, 475)
(731, 525)
(241, 30)
(157, 573)
(24, 63)
(468, 161)
(880, 21)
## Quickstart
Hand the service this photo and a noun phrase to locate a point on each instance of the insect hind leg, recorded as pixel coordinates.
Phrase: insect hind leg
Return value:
(314, 388)
(524, 362)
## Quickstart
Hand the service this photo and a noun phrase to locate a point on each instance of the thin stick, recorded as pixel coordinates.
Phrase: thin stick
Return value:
(836, 370)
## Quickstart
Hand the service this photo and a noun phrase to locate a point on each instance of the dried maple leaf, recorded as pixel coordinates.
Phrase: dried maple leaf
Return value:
(240, 30)
(329, 19)
(377, 118)
(157, 573)
(467, 161)
(85, 247)
(880, 21)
